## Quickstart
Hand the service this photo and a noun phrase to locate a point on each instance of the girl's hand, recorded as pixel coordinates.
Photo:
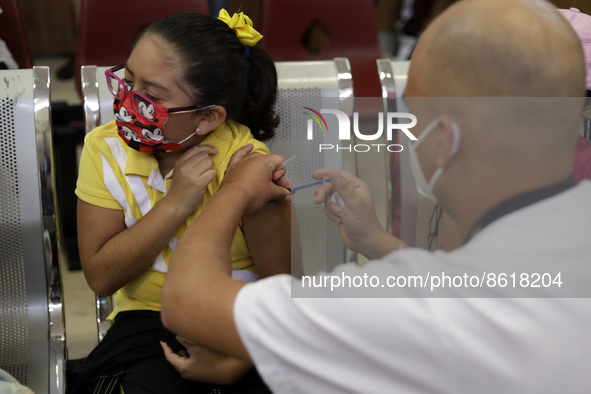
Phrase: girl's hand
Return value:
(193, 171)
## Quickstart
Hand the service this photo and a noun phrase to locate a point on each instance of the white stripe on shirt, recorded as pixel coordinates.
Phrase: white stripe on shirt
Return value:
(135, 182)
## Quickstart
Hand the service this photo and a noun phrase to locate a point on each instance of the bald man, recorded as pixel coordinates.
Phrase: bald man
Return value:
(504, 179)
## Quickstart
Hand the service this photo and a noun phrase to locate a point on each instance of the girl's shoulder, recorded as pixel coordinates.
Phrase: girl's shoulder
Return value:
(101, 137)
(228, 138)
(101, 132)
(231, 136)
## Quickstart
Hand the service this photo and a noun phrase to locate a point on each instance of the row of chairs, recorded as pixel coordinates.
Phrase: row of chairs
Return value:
(33, 339)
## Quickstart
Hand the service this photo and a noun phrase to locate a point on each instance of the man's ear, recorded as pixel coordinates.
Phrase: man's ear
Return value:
(446, 140)
(211, 119)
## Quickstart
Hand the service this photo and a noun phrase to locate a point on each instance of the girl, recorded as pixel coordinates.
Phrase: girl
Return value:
(195, 90)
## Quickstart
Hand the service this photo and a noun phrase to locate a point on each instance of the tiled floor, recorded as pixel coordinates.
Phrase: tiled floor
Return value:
(81, 329)
(79, 304)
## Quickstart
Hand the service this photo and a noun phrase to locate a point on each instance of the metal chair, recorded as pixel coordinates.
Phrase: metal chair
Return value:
(32, 340)
(315, 84)
(12, 32)
(108, 27)
(415, 209)
(320, 84)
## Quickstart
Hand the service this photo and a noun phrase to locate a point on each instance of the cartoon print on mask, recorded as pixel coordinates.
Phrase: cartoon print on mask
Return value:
(130, 134)
(146, 109)
(123, 115)
(138, 133)
(151, 132)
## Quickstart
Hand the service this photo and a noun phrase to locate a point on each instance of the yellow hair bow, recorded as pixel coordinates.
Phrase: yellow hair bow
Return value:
(242, 25)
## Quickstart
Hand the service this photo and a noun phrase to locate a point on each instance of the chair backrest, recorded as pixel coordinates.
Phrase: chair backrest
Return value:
(32, 339)
(108, 27)
(323, 30)
(98, 101)
(415, 210)
(316, 84)
(12, 32)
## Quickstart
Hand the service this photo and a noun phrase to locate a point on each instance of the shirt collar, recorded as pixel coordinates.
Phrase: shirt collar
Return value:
(520, 201)
(140, 163)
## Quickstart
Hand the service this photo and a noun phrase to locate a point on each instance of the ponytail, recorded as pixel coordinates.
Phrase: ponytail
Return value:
(257, 111)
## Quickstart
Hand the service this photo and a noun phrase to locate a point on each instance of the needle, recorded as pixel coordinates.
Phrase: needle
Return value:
(282, 165)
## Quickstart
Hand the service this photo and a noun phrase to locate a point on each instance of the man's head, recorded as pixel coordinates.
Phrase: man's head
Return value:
(500, 50)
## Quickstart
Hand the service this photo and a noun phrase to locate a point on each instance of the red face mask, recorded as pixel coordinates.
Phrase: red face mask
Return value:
(140, 121)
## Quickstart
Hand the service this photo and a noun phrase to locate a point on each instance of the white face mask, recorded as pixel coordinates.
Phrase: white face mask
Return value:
(426, 188)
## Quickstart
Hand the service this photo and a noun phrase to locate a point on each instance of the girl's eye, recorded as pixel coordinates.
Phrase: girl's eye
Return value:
(154, 99)
(128, 83)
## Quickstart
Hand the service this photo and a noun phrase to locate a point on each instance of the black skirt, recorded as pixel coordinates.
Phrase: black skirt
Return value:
(130, 356)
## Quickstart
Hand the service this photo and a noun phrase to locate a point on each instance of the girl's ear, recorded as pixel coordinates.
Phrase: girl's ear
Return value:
(211, 119)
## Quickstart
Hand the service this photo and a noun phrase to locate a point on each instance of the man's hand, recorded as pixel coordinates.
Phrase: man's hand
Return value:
(257, 178)
(244, 151)
(348, 202)
(203, 365)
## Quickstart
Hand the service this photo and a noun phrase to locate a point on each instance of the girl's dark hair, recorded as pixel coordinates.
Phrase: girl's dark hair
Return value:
(216, 67)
